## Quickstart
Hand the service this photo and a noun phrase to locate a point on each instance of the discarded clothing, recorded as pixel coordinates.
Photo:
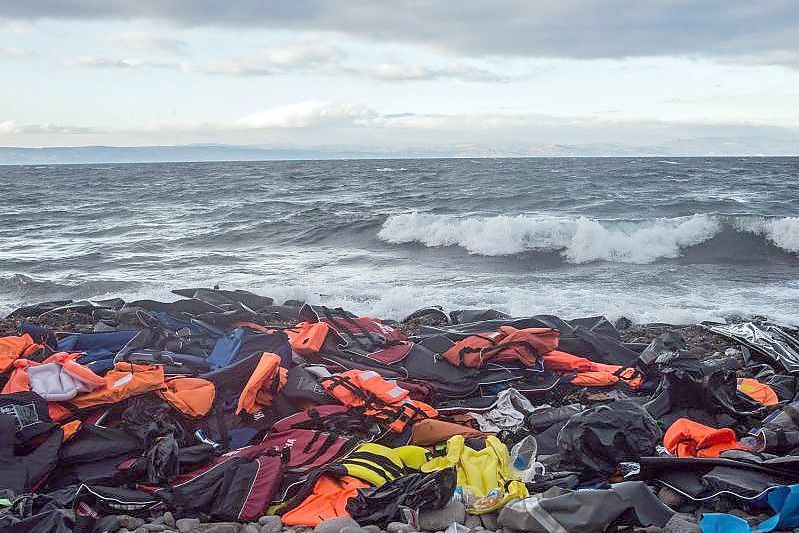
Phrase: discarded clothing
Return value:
(784, 501)
(604, 436)
(584, 511)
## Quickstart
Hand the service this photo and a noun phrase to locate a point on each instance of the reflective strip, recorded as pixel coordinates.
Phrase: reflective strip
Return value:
(368, 374)
(122, 381)
(533, 506)
(396, 392)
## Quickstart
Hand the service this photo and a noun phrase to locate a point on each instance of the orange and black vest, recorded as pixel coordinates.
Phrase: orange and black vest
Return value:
(384, 400)
(508, 344)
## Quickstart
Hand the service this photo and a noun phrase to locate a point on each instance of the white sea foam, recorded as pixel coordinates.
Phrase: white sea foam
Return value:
(391, 169)
(782, 232)
(579, 240)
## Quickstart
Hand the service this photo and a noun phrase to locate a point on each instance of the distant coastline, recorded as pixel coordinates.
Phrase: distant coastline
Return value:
(709, 147)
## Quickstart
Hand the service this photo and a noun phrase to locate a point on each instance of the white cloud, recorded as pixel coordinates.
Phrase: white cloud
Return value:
(409, 72)
(9, 127)
(303, 55)
(144, 42)
(10, 52)
(311, 113)
(12, 127)
(104, 62)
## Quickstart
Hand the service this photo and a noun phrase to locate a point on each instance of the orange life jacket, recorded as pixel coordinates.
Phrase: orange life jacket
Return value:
(759, 392)
(123, 381)
(14, 347)
(307, 338)
(506, 345)
(590, 374)
(266, 380)
(193, 397)
(686, 438)
(384, 400)
(20, 379)
(328, 500)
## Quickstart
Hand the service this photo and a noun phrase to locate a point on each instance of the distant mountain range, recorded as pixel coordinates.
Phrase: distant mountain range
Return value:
(721, 146)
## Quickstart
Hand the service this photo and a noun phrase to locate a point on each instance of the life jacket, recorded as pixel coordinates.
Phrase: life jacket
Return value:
(759, 392)
(779, 432)
(328, 500)
(416, 491)
(266, 381)
(308, 338)
(13, 347)
(504, 345)
(389, 403)
(25, 473)
(377, 464)
(432, 431)
(193, 397)
(686, 438)
(238, 485)
(587, 373)
(360, 335)
(124, 381)
(480, 472)
(58, 378)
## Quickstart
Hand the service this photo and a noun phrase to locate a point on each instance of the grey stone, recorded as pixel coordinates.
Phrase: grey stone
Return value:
(473, 522)
(351, 529)
(152, 526)
(400, 527)
(185, 525)
(334, 525)
(489, 521)
(371, 528)
(169, 519)
(670, 497)
(270, 524)
(678, 524)
(130, 522)
(434, 520)
(139, 530)
(218, 527)
(157, 520)
(252, 528)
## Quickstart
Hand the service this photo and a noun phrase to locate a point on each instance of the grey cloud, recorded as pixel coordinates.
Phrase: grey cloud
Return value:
(541, 28)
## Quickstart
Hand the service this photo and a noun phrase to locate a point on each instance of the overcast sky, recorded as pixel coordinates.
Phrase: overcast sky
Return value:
(399, 73)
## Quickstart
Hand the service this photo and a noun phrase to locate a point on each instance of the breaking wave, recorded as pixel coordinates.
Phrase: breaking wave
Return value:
(580, 239)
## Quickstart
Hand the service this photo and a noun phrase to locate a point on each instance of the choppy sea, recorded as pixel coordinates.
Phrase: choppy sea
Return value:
(673, 240)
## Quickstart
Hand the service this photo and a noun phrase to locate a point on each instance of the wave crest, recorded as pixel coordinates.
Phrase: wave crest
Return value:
(781, 232)
(580, 239)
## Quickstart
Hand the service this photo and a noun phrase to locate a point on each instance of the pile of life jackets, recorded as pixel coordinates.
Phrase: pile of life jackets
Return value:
(226, 407)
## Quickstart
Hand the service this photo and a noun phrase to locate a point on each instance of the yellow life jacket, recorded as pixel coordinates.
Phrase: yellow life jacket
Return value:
(379, 464)
(481, 471)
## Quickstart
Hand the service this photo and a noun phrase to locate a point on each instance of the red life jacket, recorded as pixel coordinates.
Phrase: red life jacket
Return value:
(379, 398)
(590, 374)
(506, 345)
